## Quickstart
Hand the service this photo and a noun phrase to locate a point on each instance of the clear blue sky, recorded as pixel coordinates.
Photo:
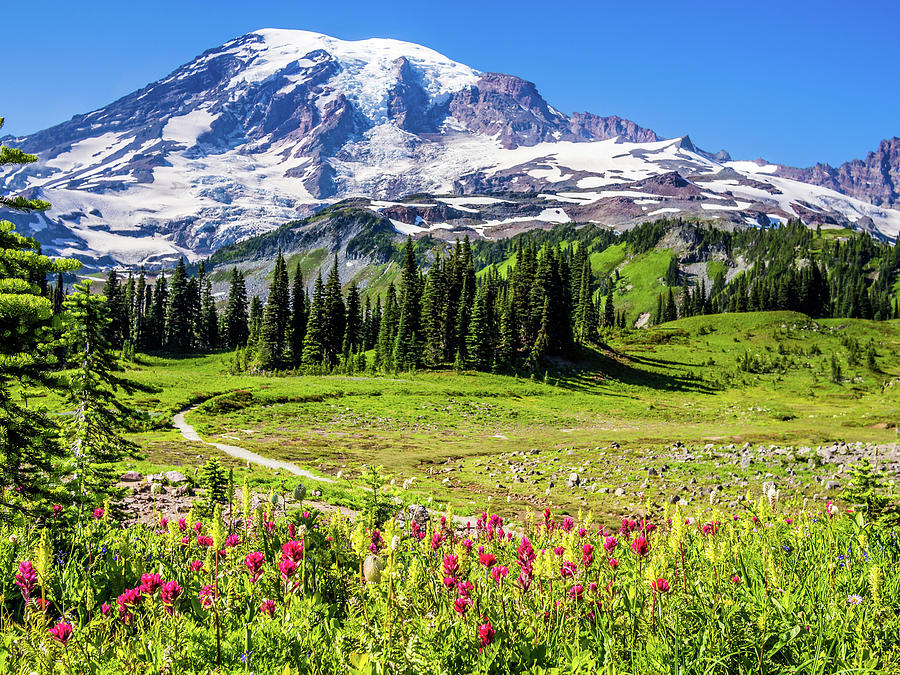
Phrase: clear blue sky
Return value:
(793, 81)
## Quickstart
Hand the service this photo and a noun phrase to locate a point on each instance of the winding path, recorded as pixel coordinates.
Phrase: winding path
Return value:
(190, 434)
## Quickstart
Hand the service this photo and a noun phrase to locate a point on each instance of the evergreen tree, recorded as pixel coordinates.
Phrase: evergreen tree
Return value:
(334, 317)
(179, 326)
(59, 294)
(384, 347)
(30, 447)
(353, 332)
(94, 431)
(235, 319)
(407, 346)
(254, 322)
(209, 321)
(313, 343)
(214, 480)
(432, 318)
(479, 346)
(299, 317)
(585, 312)
(670, 313)
(115, 299)
(273, 331)
(609, 310)
(158, 317)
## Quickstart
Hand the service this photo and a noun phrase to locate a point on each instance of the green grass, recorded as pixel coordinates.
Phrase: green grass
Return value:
(454, 433)
(639, 282)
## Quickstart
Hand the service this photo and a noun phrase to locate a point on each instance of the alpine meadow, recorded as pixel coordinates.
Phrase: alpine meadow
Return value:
(343, 357)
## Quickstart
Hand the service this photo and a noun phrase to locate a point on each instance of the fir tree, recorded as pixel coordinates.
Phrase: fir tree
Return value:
(353, 333)
(407, 347)
(209, 321)
(609, 310)
(479, 346)
(254, 321)
(586, 312)
(115, 299)
(94, 431)
(29, 438)
(384, 347)
(179, 326)
(313, 343)
(273, 331)
(334, 317)
(58, 294)
(214, 480)
(299, 317)
(235, 319)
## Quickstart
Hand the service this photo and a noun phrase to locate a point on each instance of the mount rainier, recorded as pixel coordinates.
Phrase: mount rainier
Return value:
(275, 124)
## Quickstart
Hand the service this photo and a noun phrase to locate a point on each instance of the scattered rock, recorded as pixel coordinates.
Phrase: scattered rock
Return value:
(131, 476)
(175, 477)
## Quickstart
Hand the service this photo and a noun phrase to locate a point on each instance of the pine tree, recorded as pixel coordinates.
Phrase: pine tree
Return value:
(214, 480)
(407, 345)
(209, 321)
(94, 431)
(59, 294)
(235, 319)
(384, 346)
(334, 317)
(30, 447)
(586, 312)
(299, 317)
(115, 299)
(273, 331)
(313, 343)
(866, 489)
(254, 321)
(178, 312)
(542, 342)
(670, 313)
(479, 346)
(353, 333)
(609, 310)
(432, 319)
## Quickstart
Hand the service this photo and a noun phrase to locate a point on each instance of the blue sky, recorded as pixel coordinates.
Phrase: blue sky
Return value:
(792, 81)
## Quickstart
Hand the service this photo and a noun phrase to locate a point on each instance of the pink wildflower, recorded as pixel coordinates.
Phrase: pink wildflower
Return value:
(267, 607)
(568, 569)
(208, 595)
(486, 634)
(487, 559)
(287, 567)
(149, 583)
(61, 632)
(98, 513)
(254, 563)
(640, 545)
(292, 550)
(660, 586)
(26, 579)
(576, 592)
(461, 604)
(196, 565)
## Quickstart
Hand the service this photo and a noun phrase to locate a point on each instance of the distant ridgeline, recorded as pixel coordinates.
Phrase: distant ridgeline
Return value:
(504, 305)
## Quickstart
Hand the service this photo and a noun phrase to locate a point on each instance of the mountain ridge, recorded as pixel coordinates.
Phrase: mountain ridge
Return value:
(275, 124)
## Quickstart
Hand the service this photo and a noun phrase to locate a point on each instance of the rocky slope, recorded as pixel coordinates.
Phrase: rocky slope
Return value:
(275, 124)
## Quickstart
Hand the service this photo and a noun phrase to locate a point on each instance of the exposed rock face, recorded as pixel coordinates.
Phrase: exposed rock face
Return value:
(875, 179)
(588, 126)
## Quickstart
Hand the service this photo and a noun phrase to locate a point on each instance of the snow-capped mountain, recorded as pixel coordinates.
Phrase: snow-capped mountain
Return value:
(274, 124)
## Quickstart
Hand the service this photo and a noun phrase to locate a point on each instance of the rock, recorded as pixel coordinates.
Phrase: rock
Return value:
(746, 462)
(674, 499)
(620, 492)
(832, 485)
(154, 478)
(131, 476)
(175, 477)
(573, 480)
(182, 490)
(652, 472)
(419, 514)
(316, 493)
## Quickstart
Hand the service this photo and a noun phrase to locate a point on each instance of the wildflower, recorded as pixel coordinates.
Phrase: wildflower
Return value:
(735, 579)
(559, 550)
(568, 569)
(465, 588)
(467, 543)
(98, 513)
(613, 562)
(593, 587)
(568, 523)
(449, 582)
(196, 565)
(208, 595)
(185, 541)
(267, 607)
(61, 632)
(232, 540)
(292, 531)
(254, 563)
(149, 583)
(854, 599)
(436, 540)
(524, 579)
(582, 532)
(198, 527)
(204, 541)
(610, 544)
(293, 550)
(451, 564)
(169, 592)
(587, 555)
(26, 579)
(576, 592)
(461, 604)
(486, 634)
(525, 552)
(640, 545)
(57, 509)
(182, 524)
(245, 657)
(487, 559)
(287, 567)
(499, 573)
(104, 609)
(660, 586)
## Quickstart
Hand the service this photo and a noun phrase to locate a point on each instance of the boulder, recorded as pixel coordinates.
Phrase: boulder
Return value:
(131, 477)
(175, 477)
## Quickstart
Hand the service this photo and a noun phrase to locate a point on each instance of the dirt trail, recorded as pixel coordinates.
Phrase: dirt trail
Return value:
(190, 434)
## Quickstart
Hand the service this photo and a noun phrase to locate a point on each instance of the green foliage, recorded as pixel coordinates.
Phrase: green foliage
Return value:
(215, 481)
(866, 489)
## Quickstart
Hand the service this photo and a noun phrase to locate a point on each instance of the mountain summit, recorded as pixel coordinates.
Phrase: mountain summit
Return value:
(274, 124)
